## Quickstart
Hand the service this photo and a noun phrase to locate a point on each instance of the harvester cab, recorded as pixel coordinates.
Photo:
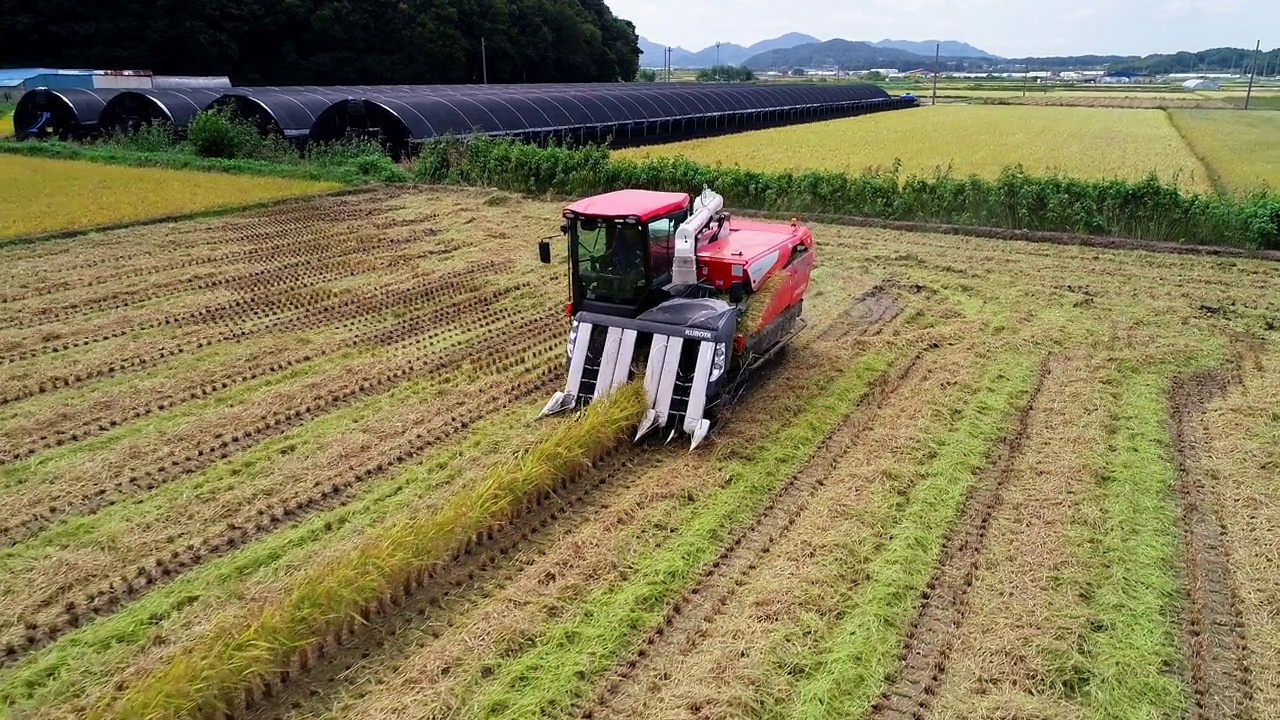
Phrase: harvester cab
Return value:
(674, 288)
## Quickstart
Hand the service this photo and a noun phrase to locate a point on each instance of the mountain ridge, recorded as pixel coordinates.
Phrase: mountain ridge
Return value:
(652, 53)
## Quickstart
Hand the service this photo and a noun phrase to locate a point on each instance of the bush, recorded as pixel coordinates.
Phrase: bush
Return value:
(218, 133)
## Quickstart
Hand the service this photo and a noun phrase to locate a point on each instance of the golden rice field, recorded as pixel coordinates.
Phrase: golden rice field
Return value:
(271, 466)
(1242, 149)
(971, 139)
(44, 195)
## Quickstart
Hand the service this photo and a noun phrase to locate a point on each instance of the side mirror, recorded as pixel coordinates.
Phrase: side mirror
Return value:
(544, 251)
(736, 291)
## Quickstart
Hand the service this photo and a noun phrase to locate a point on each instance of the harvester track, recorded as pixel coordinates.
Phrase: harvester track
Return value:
(325, 495)
(220, 448)
(686, 619)
(927, 646)
(1213, 631)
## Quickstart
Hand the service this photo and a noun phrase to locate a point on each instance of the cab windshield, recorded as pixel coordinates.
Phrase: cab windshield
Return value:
(610, 258)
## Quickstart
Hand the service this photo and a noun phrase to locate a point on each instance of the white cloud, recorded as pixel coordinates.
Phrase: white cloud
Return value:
(1005, 27)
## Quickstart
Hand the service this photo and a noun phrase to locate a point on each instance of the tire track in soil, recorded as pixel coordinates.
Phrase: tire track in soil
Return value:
(460, 300)
(340, 312)
(487, 561)
(927, 645)
(328, 494)
(278, 423)
(1213, 633)
(686, 619)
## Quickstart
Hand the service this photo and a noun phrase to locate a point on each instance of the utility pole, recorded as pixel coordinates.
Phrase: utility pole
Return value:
(1252, 74)
(1026, 72)
(484, 62)
(717, 60)
(666, 68)
(937, 52)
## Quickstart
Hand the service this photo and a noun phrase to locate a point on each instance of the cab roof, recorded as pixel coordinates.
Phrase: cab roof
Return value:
(644, 204)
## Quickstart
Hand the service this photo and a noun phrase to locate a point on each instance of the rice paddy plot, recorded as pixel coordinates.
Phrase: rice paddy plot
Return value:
(43, 195)
(1241, 149)
(968, 139)
(272, 463)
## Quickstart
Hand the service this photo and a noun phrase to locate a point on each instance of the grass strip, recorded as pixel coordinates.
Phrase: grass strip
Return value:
(91, 657)
(212, 672)
(863, 648)
(1133, 648)
(570, 656)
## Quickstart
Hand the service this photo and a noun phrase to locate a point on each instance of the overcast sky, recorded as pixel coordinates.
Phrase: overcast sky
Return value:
(1010, 28)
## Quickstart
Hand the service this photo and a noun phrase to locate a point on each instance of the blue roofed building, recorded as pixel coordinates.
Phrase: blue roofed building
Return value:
(15, 81)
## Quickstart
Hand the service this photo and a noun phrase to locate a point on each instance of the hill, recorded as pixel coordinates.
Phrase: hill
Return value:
(730, 53)
(926, 48)
(837, 53)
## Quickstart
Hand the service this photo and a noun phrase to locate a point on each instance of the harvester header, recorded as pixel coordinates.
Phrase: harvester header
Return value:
(704, 298)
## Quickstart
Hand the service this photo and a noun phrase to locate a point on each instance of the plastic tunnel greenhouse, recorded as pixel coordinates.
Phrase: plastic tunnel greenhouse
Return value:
(622, 114)
(133, 109)
(63, 113)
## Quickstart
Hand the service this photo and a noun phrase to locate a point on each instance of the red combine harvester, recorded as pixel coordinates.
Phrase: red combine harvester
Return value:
(706, 298)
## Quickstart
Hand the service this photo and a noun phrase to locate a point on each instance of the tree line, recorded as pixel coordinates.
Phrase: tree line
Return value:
(328, 42)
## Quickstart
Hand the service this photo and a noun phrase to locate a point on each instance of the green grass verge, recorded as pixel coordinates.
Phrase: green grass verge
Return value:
(851, 670)
(209, 673)
(1131, 652)
(571, 655)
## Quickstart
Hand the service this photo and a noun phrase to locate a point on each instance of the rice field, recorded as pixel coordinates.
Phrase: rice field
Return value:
(286, 464)
(1241, 149)
(966, 139)
(43, 195)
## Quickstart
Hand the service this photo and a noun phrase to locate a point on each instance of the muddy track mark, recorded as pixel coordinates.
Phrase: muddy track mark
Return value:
(278, 422)
(1213, 631)
(875, 306)
(684, 624)
(328, 493)
(927, 646)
